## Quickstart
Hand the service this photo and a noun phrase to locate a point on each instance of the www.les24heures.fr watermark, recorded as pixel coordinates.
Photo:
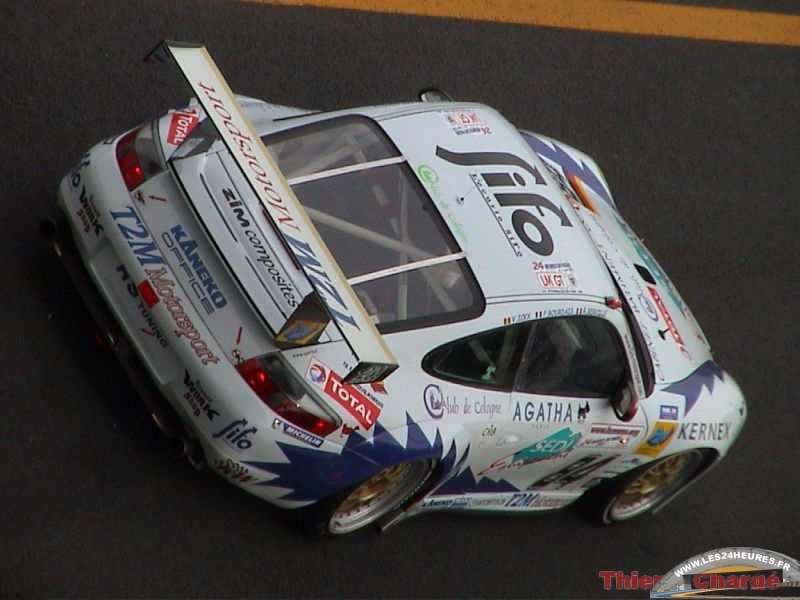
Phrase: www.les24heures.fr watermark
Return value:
(726, 572)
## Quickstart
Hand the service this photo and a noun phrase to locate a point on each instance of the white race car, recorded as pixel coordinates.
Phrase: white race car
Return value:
(371, 313)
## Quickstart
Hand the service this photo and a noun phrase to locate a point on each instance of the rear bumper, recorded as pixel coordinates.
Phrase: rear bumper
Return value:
(164, 341)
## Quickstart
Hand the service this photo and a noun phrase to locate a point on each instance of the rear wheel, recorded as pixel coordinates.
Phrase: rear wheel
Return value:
(368, 501)
(644, 489)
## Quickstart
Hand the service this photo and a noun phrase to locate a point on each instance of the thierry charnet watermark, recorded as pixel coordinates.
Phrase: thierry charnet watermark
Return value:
(725, 573)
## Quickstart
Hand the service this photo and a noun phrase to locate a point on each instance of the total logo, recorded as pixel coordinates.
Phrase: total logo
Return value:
(236, 434)
(317, 373)
(361, 408)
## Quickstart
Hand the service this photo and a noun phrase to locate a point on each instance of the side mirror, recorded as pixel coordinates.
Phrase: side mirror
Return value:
(625, 403)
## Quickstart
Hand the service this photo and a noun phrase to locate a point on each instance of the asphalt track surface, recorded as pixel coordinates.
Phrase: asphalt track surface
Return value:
(699, 141)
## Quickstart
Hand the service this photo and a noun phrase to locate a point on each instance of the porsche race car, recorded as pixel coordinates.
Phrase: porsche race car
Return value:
(367, 314)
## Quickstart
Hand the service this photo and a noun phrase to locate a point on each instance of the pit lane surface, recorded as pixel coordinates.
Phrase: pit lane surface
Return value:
(699, 141)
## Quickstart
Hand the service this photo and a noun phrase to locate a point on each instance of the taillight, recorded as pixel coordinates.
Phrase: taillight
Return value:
(268, 378)
(128, 160)
(139, 156)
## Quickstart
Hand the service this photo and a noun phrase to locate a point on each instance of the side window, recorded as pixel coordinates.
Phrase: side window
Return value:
(490, 359)
(573, 356)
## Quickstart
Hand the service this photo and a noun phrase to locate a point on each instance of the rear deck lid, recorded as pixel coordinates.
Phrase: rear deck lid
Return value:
(282, 213)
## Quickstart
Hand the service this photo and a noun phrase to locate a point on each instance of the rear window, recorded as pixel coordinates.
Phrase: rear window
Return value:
(379, 223)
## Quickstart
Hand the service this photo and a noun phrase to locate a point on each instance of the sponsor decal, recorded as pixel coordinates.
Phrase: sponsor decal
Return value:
(280, 210)
(573, 472)
(438, 404)
(659, 437)
(556, 277)
(457, 502)
(434, 401)
(164, 288)
(489, 431)
(88, 214)
(152, 329)
(668, 412)
(549, 502)
(430, 179)
(522, 500)
(75, 173)
(548, 411)
(348, 396)
(503, 184)
(492, 501)
(233, 470)
(705, 432)
(137, 237)
(437, 503)
(297, 433)
(236, 434)
(603, 435)
(126, 280)
(317, 373)
(671, 328)
(197, 399)
(554, 446)
(484, 408)
(188, 260)
(647, 306)
(181, 124)
(262, 256)
(465, 122)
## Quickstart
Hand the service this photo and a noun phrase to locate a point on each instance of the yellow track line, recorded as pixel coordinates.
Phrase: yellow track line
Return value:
(614, 16)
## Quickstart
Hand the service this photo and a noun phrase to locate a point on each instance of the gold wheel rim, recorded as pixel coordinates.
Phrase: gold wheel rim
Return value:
(652, 479)
(654, 485)
(377, 495)
(373, 487)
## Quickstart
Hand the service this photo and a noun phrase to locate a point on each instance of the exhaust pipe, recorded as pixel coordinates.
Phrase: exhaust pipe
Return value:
(193, 452)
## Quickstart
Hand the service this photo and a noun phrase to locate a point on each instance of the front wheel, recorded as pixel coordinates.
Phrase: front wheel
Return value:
(645, 489)
(368, 501)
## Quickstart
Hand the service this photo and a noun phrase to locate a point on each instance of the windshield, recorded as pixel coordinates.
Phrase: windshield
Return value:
(379, 223)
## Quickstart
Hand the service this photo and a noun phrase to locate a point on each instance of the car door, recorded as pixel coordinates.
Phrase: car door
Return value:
(563, 425)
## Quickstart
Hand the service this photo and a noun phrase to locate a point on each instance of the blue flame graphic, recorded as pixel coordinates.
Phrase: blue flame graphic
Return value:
(558, 155)
(312, 474)
(690, 388)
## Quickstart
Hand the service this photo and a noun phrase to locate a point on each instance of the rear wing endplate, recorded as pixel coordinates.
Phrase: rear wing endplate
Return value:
(374, 360)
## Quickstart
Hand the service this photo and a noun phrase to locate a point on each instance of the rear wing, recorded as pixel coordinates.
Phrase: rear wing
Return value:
(373, 359)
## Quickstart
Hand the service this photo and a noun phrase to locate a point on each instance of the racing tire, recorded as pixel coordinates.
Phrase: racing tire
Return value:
(644, 490)
(364, 503)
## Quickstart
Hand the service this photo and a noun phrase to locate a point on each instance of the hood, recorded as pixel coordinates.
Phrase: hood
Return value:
(503, 206)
